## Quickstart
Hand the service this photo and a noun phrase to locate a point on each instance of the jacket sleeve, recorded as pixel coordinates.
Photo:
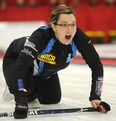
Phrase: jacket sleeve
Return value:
(25, 59)
(91, 57)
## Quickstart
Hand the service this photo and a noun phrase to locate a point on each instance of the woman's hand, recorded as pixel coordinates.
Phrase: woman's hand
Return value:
(95, 103)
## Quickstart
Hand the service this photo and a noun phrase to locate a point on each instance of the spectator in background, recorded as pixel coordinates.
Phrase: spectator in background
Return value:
(32, 2)
(3, 4)
(74, 3)
(110, 2)
(62, 2)
(93, 2)
(22, 3)
(53, 3)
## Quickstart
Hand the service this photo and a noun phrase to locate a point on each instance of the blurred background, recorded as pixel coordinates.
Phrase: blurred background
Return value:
(97, 18)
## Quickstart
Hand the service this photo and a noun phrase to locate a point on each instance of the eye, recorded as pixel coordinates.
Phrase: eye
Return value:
(72, 25)
(67, 25)
(64, 25)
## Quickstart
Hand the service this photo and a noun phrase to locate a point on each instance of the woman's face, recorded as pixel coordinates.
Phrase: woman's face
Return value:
(65, 28)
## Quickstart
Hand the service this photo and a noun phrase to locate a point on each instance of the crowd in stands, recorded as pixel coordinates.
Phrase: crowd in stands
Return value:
(99, 25)
(34, 3)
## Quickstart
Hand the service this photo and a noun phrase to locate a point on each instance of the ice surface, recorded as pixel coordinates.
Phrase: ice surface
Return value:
(75, 83)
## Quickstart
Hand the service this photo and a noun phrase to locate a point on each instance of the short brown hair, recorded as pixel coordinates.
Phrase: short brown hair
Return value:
(61, 9)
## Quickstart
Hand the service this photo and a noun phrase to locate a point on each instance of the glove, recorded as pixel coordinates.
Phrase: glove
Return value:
(21, 107)
(20, 111)
(103, 107)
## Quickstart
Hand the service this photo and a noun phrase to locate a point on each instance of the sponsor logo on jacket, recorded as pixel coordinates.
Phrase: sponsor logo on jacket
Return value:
(48, 58)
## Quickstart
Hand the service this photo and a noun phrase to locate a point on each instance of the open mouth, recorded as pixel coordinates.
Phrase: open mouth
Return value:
(68, 37)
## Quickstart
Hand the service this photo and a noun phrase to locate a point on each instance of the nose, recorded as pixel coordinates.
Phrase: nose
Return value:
(69, 28)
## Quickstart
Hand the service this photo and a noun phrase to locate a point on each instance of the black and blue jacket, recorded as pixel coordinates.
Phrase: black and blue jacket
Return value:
(45, 56)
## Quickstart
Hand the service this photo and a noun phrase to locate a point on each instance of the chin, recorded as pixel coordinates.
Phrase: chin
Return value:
(67, 42)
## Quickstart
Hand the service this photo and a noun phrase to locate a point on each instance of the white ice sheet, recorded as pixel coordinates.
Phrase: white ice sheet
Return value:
(75, 83)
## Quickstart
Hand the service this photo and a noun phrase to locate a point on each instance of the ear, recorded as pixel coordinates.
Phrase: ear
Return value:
(53, 27)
